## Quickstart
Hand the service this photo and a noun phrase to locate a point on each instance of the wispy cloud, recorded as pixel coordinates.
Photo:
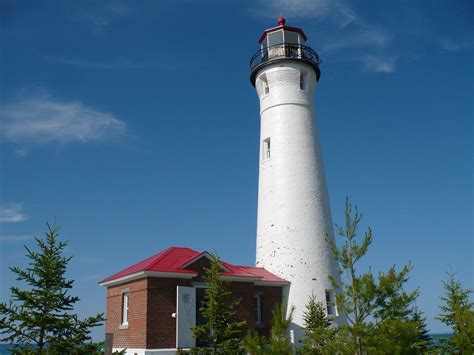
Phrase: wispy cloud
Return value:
(451, 45)
(12, 213)
(378, 64)
(368, 37)
(101, 15)
(42, 119)
(15, 238)
(337, 11)
(344, 30)
(112, 64)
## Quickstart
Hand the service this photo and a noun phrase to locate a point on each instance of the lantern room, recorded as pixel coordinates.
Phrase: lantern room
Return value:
(281, 34)
(283, 43)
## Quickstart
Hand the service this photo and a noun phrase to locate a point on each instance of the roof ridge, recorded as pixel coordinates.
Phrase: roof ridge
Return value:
(163, 254)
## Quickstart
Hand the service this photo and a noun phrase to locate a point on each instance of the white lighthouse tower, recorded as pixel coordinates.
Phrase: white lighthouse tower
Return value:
(294, 216)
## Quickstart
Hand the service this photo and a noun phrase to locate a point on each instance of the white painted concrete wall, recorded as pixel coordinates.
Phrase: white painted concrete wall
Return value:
(293, 207)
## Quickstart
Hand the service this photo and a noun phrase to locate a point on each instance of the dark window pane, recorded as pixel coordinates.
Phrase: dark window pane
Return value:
(291, 37)
(275, 38)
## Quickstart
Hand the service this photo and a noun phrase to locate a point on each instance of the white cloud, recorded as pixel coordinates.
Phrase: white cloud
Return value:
(451, 45)
(101, 15)
(379, 64)
(15, 238)
(12, 213)
(113, 63)
(369, 37)
(336, 11)
(42, 120)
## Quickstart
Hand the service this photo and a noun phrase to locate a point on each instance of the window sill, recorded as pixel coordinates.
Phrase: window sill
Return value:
(123, 326)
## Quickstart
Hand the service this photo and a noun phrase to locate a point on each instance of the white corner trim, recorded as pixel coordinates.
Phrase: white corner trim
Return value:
(141, 274)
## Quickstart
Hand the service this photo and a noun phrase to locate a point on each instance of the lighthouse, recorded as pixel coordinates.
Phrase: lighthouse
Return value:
(294, 217)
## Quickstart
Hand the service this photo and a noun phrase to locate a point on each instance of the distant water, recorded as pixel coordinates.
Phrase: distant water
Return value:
(4, 347)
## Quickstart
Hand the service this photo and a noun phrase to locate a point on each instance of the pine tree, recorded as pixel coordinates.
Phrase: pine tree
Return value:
(221, 334)
(41, 315)
(319, 332)
(458, 313)
(423, 339)
(254, 344)
(362, 297)
(279, 343)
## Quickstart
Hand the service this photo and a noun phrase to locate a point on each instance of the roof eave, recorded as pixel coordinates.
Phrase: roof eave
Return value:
(141, 274)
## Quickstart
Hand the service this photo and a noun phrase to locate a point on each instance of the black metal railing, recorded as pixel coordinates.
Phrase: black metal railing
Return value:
(284, 51)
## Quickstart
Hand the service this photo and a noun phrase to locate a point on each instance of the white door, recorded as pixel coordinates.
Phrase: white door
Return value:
(185, 316)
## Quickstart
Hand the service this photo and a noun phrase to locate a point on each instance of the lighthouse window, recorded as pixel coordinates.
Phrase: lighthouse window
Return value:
(266, 149)
(330, 307)
(291, 37)
(275, 38)
(266, 88)
(303, 81)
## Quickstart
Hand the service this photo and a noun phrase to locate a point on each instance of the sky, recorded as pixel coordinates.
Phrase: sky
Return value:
(134, 126)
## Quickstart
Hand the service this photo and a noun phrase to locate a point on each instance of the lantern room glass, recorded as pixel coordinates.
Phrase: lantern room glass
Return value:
(275, 38)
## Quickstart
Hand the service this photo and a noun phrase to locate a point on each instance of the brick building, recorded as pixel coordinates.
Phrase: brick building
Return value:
(152, 305)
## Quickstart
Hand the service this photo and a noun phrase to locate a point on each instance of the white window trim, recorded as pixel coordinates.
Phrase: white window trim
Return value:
(305, 77)
(331, 303)
(266, 149)
(125, 306)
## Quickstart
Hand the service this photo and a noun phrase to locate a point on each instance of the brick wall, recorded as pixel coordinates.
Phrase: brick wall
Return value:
(153, 300)
(161, 330)
(135, 335)
(271, 295)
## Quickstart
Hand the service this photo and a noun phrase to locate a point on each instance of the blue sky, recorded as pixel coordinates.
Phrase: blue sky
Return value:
(135, 126)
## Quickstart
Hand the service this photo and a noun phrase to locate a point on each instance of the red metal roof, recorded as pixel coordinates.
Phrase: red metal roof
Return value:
(172, 259)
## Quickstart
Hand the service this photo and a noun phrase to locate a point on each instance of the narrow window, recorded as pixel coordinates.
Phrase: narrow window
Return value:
(330, 307)
(266, 89)
(125, 296)
(266, 149)
(258, 308)
(302, 81)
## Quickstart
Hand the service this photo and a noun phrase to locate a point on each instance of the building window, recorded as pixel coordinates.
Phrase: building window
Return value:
(330, 306)
(125, 297)
(266, 149)
(258, 308)
(303, 81)
(266, 89)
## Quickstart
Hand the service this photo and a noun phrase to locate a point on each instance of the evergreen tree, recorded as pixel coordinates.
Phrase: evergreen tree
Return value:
(423, 339)
(41, 315)
(221, 334)
(319, 332)
(362, 297)
(458, 313)
(254, 344)
(279, 336)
